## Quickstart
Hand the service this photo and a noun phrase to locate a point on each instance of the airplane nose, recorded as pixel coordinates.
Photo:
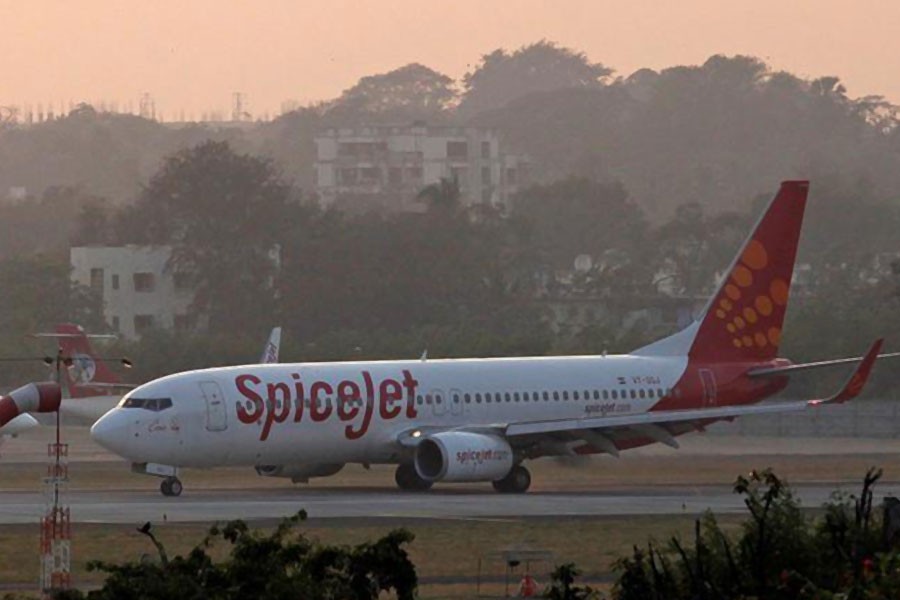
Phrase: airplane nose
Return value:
(110, 431)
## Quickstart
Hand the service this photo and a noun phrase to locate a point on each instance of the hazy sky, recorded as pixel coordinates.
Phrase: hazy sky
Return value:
(191, 55)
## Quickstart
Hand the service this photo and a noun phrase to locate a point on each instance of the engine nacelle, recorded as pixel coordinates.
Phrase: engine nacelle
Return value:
(463, 456)
(299, 473)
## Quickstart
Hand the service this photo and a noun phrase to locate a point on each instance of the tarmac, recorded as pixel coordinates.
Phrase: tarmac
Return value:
(210, 502)
(273, 504)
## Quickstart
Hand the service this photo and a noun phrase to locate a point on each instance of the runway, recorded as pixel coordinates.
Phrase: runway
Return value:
(266, 504)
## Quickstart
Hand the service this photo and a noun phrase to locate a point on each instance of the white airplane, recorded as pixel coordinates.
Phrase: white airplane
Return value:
(476, 420)
(89, 379)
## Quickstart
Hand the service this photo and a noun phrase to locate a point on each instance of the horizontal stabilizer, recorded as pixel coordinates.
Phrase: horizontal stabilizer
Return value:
(789, 370)
(857, 380)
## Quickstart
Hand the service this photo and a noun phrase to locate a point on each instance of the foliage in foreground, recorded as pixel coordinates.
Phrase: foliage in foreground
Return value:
(780, 552)
(282, 564)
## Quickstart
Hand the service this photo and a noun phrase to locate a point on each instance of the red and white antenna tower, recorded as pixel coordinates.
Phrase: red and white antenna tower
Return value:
(56, 531)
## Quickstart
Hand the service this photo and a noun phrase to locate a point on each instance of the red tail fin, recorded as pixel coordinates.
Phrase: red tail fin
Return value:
(85, 368)
(743, 320)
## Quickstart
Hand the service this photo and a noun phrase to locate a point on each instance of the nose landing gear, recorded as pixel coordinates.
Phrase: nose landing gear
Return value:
(171, 486)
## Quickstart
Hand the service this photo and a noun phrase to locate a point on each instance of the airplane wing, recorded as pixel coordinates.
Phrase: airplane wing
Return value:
(662, 426)
(271, 349)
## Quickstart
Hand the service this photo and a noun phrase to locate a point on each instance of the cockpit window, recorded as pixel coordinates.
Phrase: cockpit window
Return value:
(153, 404)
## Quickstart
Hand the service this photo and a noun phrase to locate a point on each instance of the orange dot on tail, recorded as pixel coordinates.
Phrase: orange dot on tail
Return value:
(763, 305)
(732, 292)
(761, 340)
(726, 304)
(731, 328)
(742, 276)
(774, 335)
(737, 343)
(778, 289)
(720, 313)
(750, 315)
(748, 341)
(755, 256)
(739, 322)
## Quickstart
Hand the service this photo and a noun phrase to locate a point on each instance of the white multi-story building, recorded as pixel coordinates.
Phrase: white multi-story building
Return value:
(139, 290)
(387, 166)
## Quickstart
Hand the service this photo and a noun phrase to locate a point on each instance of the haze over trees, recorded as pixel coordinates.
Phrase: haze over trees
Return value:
(656, 175)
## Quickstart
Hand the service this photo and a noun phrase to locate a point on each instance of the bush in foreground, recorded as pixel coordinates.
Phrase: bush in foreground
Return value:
(778, 553)
(281, 565)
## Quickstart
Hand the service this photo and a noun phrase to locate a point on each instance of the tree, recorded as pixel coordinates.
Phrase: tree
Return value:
(574, 216)
(692, 247)
(411, 92)
(227, 215)
(442, 196)
(779, 552)
(543, 66)
(275, 566)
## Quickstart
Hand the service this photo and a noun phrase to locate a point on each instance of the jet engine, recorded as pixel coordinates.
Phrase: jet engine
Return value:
(463, 456)
(299, 473)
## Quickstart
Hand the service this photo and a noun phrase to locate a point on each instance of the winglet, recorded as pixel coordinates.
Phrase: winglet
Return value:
(857, 379)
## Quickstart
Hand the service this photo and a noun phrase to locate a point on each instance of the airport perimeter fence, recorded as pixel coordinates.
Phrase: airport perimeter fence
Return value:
(867, 418)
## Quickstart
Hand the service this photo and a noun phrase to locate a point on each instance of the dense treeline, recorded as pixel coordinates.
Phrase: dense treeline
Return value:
(710, 134)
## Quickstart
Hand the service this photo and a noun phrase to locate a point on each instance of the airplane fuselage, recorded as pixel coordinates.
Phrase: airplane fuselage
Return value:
(355, 411)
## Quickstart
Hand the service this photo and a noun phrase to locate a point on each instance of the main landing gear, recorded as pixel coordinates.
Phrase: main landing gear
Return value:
(171, 486)
(407, 479)
(517, 481)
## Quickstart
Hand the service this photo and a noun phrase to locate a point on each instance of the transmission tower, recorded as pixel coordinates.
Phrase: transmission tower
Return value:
(56, 531)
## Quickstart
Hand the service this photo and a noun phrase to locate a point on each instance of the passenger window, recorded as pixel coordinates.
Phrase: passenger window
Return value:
(468, 399)
(478, 398)
(556, 396)
(535, 397)
(575, 395)
(420, 399)
(508, 397)
(565, 394)
(516, 396)
(438, 398)
(633, 394)
(641, 393)
(546, 396)
(605, 395)
(596, 395)
(615, 395)
(456, 398)
(660, 393)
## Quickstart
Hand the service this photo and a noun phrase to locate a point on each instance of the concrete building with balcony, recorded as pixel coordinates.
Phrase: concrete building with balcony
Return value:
(139, 291)
(385, 167)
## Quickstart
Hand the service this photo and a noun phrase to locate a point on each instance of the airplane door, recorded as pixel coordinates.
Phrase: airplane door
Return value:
(455, 398)
(708, 378)
(216, 415)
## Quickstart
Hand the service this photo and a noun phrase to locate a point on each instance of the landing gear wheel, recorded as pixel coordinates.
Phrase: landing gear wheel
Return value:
(171, 486)
(517, 481)
(407, 479)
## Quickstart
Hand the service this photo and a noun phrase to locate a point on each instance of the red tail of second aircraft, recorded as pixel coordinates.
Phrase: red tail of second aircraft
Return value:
(86, 375)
